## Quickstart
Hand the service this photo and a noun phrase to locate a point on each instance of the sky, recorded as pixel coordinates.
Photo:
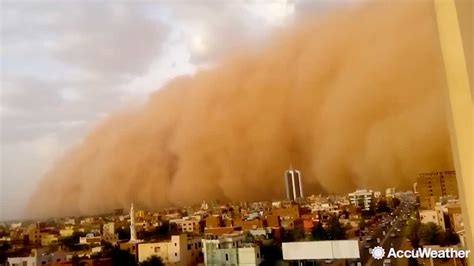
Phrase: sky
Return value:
(67, 65)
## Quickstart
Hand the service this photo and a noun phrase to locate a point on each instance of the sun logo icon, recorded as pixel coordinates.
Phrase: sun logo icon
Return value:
(378, 252)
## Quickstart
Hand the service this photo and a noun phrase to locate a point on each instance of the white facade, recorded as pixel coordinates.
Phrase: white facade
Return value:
(22, 261)
(108, 233)
(37, 258)
(133, 232)
(187, 224)
(230, 249)
(108, 229)
(294, 185)
(377, 194)
(181, 250)
(317, 250)
(433, 216)
(90, 239)
(390, 192)
(362, 198)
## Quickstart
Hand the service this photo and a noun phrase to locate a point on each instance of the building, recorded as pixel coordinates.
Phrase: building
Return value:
(49, 239)
(38, 257)
(432, 216)
(66, 232)
(214, 221)
(432, 186)
(187, 225)
(273, 220)
(133, 231)
(390, 193)
(294, 185)
(363, 199)
(180, 250)
(247, 225)
(455, 217)
(230, 249)
(90, 239)
(34, 235)
(377, 194)
(108, 233)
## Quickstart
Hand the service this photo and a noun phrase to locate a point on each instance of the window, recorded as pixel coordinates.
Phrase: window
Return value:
(195, 245)
(176, 254)
(58, 260)
(175, 244)
(157, 249)
(258, 255)
(189, 246)
(227, 257)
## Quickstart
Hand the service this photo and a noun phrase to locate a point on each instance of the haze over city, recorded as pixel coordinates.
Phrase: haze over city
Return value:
(239, 132)
(96, 114)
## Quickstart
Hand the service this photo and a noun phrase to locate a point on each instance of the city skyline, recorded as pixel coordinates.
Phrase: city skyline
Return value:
(240, 132)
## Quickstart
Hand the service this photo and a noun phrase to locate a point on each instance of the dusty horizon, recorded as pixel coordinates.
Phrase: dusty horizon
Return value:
(353, 100)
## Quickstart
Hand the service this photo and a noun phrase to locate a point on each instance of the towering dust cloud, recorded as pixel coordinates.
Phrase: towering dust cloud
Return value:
(353, 100)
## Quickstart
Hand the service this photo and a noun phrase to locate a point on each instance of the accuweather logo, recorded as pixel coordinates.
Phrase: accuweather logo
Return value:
(378, 253)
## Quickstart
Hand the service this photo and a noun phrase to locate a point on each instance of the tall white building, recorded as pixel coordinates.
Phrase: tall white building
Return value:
(133, 231)
(294, 185)
(362, 198)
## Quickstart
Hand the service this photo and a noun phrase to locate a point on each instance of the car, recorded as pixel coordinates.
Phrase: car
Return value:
(398, 230)
(328, 261)
(367, 246)
(392, 235)
(368, 239)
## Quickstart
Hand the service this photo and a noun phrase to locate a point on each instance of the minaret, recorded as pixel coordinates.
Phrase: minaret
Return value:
(133, 232)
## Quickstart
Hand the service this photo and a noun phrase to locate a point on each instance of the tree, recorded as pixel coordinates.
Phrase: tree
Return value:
(362, 223)
(4, 247)
(431, 234)
(298, 230)
(382, 206)
(395, 202)
(411, 232)
(335, 229)
(153, 261)
(121, 257)
(451, 238)
(271, 252)
(75, 260)
(123, 233)
(70, 241)
(166, 229)
(319, 233)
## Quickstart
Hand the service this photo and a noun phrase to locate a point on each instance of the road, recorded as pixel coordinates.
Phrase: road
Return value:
(386, 240)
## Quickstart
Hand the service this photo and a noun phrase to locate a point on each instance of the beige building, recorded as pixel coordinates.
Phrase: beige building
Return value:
(432, 186)
(230, 249)
(180, 250)
(187, 225)
(66, 232)
(49, 239)
(108, 233)
(433, 216)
